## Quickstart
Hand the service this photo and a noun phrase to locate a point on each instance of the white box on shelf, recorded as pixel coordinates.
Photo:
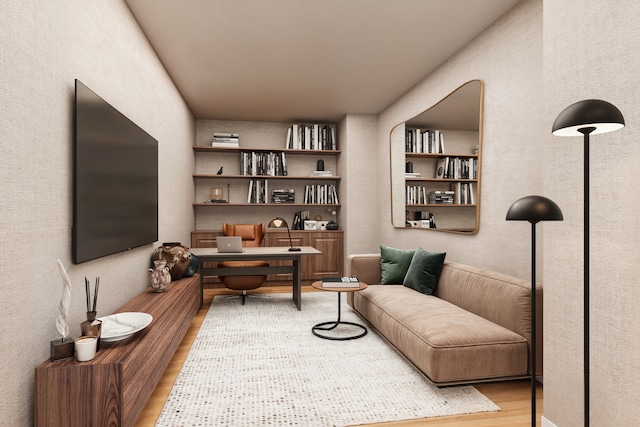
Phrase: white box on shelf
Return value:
(310, 225)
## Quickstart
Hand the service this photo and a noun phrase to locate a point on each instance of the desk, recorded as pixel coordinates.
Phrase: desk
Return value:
(275, 253)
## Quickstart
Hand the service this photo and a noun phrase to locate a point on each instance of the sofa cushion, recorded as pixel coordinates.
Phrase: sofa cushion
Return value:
(424, 271)
(394, 264)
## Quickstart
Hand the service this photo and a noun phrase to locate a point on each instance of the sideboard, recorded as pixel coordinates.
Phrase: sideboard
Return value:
(112, 389)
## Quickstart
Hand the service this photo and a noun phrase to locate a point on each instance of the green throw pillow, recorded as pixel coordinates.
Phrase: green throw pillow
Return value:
(424, 271)
(394, 264)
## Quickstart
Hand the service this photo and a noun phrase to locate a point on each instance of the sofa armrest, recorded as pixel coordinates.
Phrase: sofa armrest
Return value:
(365, 267)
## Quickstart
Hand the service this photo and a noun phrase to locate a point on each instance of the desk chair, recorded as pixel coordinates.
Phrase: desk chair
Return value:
(252, 235)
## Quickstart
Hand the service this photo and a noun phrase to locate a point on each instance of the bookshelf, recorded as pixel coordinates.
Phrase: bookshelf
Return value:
(290, 172)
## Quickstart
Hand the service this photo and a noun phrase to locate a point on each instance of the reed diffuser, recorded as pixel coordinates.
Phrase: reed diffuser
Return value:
(92, 327)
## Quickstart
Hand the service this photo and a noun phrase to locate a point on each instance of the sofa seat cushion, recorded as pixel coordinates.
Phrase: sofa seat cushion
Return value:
(445, 342)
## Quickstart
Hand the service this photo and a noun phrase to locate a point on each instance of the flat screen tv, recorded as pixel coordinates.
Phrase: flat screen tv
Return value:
(115, 205)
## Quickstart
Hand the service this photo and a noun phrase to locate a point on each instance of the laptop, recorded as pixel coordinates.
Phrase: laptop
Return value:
(229, 244)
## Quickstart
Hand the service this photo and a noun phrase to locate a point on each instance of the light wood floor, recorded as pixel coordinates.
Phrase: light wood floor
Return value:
(513, 397)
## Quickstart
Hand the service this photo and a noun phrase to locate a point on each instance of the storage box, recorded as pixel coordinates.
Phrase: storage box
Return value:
(310, 225)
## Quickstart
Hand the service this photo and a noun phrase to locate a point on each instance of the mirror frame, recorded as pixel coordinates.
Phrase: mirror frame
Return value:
(437, 111)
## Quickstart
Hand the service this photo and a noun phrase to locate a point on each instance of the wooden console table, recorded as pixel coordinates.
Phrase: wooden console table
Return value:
(112, 389)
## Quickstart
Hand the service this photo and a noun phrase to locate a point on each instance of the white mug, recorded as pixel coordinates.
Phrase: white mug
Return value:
(85, 348)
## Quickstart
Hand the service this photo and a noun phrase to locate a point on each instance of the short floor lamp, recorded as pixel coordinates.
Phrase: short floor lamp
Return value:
(584, 118)
(533, 209)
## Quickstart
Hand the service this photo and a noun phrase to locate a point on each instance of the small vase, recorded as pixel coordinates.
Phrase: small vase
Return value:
(159, 277)
(92, 327)
(176, 256)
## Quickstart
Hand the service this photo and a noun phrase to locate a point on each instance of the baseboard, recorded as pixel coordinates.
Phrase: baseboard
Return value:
(547, 423)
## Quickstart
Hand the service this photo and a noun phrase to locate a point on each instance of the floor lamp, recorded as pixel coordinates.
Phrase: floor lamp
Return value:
(584, 118)
(533, 209)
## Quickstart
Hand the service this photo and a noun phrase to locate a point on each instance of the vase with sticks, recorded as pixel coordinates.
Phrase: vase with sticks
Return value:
(92, 326)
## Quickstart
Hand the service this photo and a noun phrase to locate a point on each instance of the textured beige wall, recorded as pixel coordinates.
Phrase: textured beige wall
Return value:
(45, 46)
(591, 50)
(507, 57)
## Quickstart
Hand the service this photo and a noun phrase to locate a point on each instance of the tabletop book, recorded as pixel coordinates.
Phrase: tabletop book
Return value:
(340, 282)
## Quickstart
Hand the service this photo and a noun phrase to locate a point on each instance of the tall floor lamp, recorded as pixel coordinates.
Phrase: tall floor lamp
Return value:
(588, 117)
(533, 209)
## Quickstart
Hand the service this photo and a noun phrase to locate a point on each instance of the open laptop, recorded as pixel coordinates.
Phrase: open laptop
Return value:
(229, 244)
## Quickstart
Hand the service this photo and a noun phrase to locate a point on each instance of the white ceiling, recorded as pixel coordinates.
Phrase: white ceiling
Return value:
(305, 60)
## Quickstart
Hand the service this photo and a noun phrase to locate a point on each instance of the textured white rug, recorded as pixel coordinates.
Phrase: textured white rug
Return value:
(259, 364)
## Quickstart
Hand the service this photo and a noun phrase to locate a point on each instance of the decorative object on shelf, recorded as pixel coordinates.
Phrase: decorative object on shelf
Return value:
(332, 224)
(320, 165)
(217, 195)
(91, 327)
(177, 257)
(193, 267)
(533, 209)
(86, 348)
(64, 347)
(281, 223)
(159, 276)
(408, 167)
(120, 326)
(583, 118)
(220, 171)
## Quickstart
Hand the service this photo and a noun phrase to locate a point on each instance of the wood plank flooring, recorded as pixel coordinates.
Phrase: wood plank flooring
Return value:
(513, 397)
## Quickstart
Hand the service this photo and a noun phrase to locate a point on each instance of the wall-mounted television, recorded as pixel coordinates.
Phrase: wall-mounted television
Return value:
(115, 206)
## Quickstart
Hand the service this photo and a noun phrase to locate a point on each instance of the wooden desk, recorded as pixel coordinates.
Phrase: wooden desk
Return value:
(272, 253)
(112, 389)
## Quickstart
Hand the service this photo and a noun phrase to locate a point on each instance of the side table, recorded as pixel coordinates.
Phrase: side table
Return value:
(328, 326)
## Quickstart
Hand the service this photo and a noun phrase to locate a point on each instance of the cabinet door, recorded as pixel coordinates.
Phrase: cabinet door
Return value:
(282, 239)
(331, 262)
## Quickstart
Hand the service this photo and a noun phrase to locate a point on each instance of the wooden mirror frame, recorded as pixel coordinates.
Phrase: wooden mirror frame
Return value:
(459, 112)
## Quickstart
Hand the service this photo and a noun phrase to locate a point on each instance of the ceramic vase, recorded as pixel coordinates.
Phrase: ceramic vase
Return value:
(159, 276)
(176, 256)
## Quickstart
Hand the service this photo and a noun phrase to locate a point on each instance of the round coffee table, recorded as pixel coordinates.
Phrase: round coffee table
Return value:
(328, 326)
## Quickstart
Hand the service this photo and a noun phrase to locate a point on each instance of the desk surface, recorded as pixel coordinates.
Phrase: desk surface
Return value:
(263, 251)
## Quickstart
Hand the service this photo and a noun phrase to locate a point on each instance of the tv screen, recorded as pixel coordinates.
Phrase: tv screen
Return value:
(115, 180)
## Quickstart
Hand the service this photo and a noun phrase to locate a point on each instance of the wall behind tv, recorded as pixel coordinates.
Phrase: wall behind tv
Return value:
(45, 46)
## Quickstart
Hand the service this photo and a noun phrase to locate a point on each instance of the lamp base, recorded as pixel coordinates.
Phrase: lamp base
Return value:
(294, 249)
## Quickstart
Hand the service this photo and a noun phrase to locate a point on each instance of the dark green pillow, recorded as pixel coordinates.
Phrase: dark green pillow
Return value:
(394, 264)
(424, 271)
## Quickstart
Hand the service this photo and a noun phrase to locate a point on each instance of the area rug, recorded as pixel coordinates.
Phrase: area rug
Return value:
(259, 364)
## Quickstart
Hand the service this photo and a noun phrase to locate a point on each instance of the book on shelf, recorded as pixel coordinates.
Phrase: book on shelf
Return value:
(424, 141)
(439, 197)
(320, 194)
(268, 163)
(412, 175)
(321, 173)
(258, 190)
(311, 137)
(340, 282)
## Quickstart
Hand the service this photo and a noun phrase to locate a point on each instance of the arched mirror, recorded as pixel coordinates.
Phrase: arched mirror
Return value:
(435, 164)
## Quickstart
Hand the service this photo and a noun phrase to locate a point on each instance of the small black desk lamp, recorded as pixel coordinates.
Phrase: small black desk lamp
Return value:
(281, 223)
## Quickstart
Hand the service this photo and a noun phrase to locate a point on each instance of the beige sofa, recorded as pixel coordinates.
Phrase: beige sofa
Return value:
(475, 328)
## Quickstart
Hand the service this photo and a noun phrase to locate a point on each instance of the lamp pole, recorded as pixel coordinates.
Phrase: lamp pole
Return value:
(586, 218)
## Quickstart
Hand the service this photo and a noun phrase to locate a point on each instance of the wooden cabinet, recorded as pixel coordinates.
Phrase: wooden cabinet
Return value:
(329, 242)
(112, 389)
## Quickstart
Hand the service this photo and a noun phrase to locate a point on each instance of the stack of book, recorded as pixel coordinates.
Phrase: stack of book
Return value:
(283, 195)
(340, 282)
(441, 197)
(412, 175)
(321, 173)
(226, 140)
